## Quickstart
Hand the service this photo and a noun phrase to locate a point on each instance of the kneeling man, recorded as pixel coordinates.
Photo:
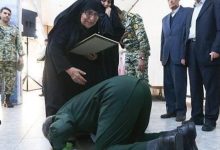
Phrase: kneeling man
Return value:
(117, 112)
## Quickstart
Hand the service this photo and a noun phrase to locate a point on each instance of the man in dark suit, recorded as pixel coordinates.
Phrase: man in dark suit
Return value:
(173, 60)
(204, 62)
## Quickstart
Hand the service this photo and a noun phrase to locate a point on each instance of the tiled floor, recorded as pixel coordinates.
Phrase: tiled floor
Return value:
(21, 126)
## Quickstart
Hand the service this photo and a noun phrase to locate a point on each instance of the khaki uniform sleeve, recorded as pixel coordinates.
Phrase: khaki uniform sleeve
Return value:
(18, 43)
(144, 46)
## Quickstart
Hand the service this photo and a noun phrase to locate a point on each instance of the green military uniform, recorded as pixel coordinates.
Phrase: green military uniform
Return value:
(10, 47)
(116, 110)
(135, 42)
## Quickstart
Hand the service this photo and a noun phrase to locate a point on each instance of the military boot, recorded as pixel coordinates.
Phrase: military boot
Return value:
(173, 141)
(188, 131)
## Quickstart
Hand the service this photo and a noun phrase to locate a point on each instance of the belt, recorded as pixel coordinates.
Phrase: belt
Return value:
(192, 40)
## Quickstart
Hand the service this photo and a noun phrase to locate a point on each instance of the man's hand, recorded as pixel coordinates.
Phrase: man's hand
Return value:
(183, 62)
(77, 75)
(214, 55)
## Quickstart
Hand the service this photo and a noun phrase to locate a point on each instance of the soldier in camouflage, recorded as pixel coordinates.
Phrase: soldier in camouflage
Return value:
(10, 48)
(136, 43)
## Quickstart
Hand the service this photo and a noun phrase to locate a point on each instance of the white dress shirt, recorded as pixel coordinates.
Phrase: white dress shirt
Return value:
(197, 9)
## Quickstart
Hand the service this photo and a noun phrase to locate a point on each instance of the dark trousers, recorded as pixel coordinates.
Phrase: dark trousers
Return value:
(175, 83)
(208, 76)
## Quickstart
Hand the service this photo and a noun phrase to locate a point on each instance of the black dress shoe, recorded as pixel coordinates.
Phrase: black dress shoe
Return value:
(172, 141)
(196, 121)
(188, 131)
(168, 115)
(180, 118)
(208, 127)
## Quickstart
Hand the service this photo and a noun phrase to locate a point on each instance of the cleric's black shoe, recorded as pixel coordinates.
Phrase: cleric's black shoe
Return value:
(168, 115)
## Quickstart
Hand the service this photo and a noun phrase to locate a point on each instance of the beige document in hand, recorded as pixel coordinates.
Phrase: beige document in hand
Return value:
(93, 44)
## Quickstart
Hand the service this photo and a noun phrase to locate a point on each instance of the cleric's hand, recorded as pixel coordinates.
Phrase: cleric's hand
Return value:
(77, 75)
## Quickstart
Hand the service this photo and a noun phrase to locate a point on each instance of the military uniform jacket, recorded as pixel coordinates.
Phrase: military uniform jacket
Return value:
(135, 39)
(10, 45)
(94, 110)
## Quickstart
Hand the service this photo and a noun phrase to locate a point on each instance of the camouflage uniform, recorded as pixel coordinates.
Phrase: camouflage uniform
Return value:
(10, 47)
(135, 42)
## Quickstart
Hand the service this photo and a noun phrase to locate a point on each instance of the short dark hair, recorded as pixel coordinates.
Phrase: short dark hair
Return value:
(5, 8)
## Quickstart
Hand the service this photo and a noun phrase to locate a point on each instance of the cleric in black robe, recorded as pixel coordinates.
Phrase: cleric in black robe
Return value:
(67, 74)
